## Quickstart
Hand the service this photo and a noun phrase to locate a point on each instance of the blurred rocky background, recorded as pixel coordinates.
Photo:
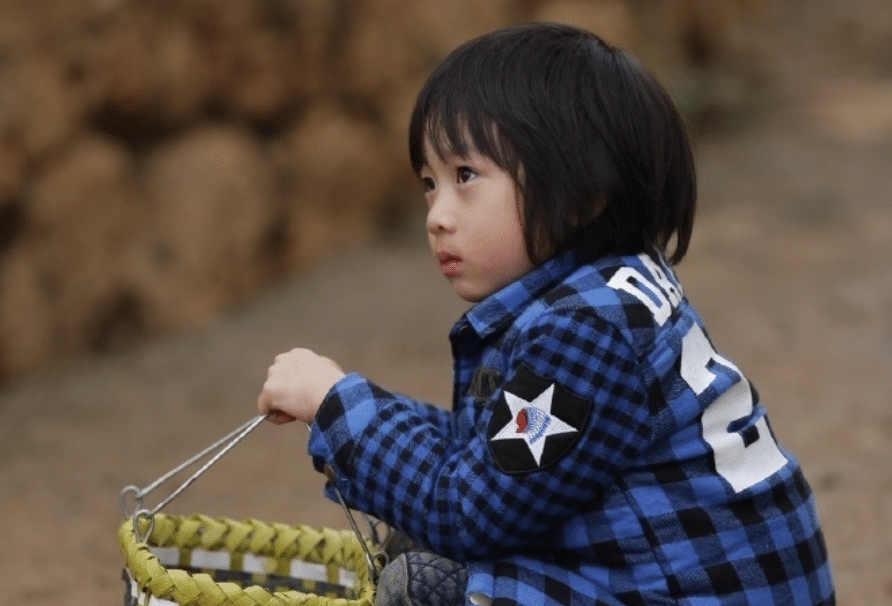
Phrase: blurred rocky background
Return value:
(162, 160)
(188, 188)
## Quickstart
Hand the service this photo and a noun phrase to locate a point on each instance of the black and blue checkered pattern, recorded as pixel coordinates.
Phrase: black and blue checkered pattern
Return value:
(674, 490)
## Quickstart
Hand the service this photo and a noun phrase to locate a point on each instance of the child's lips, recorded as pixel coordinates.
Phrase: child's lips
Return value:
(450, 264)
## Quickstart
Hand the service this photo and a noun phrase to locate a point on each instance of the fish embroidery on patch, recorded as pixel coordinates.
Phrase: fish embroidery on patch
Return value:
(535, 423)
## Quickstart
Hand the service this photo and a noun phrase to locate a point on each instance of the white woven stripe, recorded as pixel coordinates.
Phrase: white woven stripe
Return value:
(308, 570)
(255, 563)
(347, 578)
(202, 558)
(169, 556)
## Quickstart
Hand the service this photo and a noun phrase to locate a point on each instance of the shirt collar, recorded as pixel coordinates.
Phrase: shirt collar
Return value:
(505, 305)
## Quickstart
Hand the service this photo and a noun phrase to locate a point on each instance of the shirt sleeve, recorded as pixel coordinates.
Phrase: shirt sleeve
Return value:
(398, 460)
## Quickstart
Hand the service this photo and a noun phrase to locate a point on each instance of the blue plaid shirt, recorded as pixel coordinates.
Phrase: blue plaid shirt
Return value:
(599, 451)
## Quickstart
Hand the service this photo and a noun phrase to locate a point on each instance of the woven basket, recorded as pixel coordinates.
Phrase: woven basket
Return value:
(202, 561)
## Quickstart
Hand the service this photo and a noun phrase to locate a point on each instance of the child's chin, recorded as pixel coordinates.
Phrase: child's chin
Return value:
(468, 293)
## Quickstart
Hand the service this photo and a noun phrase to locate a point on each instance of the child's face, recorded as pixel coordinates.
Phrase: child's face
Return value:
(473, 223)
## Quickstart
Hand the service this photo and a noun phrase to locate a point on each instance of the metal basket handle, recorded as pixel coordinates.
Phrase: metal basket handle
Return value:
(222, 446)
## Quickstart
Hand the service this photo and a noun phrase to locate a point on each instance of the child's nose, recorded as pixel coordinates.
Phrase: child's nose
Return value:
(440, 217)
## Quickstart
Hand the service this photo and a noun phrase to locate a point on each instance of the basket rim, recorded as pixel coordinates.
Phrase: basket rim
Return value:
(327, 546)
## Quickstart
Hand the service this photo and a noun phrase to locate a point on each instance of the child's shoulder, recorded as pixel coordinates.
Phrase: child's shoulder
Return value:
(619, 282)
(636, 294)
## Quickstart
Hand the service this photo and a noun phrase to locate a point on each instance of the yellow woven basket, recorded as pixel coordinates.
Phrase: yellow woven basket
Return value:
(198, 560)
(202, 561)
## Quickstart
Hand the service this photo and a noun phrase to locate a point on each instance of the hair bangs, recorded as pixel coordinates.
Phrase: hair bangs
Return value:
(453, 117)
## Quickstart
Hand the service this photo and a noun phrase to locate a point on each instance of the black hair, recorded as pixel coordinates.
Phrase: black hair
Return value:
(598, 151)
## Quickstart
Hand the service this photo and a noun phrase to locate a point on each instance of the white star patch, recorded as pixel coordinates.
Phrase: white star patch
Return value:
(532, 422)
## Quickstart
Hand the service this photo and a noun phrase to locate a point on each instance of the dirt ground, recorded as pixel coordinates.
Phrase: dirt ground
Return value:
(788, 266)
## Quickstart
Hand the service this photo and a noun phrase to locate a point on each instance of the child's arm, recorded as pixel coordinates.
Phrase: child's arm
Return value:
(443, 486)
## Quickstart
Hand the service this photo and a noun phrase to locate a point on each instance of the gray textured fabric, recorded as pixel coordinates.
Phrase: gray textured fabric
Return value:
(422, 578)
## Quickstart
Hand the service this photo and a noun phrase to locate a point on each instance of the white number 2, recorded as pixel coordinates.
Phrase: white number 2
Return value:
(742, 458)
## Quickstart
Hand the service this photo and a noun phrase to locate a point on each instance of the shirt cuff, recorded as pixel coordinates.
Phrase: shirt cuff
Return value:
(341, 420)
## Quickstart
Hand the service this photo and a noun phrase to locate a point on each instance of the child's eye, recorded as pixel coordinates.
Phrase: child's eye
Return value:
(427, 184)
(463, 174)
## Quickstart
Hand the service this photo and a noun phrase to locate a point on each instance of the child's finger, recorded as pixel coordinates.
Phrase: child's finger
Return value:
(266, 403)
(279, 418)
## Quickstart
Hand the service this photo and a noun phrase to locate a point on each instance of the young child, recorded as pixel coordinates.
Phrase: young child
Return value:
(599, 450)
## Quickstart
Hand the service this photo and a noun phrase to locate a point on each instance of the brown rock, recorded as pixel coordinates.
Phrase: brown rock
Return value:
(25, 316)
(70, 262)
(252, 54)
(392, 41)
(37, 104)
(144, 67)
(179, 70)
(310, 100)
(12, 166)
(86, 185)
(339, 168)
(211, 206)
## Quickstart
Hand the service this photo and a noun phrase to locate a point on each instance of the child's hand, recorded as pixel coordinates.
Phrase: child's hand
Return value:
(296, 385)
